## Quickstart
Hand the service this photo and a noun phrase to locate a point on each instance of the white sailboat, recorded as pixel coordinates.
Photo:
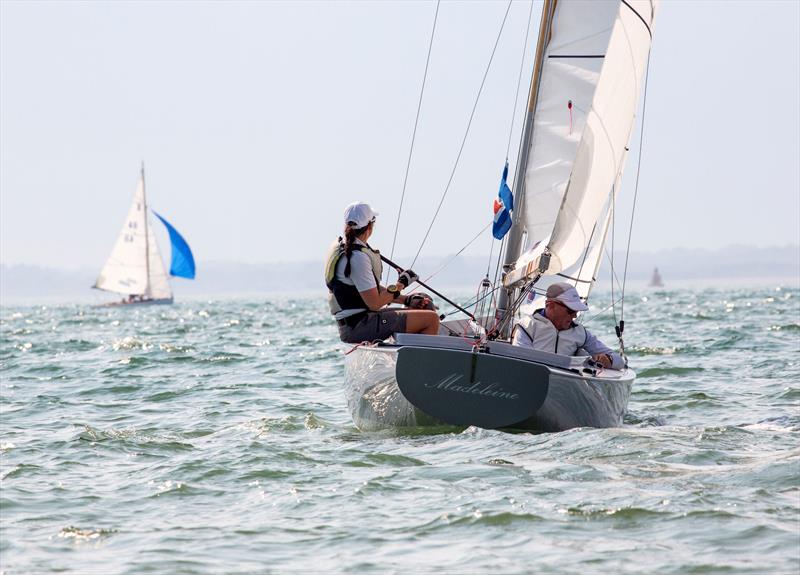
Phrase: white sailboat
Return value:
(590, 61)
(135, 268)
(655, 279)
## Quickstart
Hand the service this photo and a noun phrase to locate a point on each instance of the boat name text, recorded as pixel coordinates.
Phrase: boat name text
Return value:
(490, 390)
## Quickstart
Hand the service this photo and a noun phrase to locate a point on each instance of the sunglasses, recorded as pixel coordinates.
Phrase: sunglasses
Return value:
(570, 311)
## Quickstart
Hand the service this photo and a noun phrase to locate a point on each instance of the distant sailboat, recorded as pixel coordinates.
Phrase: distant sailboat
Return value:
(134, 268)
(655, 280)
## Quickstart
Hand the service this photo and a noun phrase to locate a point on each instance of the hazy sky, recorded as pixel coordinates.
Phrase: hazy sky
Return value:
(259, 121)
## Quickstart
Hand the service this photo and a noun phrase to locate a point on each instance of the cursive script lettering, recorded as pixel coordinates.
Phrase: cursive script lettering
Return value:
(449, 383)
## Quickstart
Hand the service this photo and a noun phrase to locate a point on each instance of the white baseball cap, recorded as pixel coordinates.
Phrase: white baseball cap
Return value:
(567, 295)
(360, 214)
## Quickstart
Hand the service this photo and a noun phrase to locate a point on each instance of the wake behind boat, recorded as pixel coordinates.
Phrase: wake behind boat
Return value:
(134, 268)
(590, 61)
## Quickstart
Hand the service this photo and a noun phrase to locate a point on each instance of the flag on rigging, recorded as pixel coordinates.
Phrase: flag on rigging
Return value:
(503, 204)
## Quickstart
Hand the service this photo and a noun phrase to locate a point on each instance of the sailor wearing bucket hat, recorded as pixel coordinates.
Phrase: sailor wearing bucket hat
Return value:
(553, 329)
(356, 298)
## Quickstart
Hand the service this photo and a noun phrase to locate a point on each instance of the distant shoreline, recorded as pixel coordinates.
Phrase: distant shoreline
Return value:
(680, 268)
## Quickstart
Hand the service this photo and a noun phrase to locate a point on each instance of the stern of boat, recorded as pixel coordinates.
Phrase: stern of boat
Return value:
(433, 380)
(373, 397)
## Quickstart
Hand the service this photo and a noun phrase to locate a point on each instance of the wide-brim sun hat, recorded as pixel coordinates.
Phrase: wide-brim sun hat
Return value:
(359, 214)
(566, 294)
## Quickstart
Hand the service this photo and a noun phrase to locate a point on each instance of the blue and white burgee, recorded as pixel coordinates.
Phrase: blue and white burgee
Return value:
(503, 205)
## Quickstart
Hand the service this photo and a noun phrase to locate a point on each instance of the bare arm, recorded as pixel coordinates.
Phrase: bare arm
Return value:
(375, 300)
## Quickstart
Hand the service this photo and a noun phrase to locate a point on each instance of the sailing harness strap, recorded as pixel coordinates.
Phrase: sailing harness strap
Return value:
(347, 296)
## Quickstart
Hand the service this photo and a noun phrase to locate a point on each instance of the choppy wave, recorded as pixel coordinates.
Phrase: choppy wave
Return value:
(213, 437)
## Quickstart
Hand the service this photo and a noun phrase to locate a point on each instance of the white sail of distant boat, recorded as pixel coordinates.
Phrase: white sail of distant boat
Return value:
(135, 268)
(656, 280)
(591, 59)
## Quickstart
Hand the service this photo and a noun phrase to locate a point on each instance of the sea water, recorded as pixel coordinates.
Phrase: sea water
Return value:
(212, 436)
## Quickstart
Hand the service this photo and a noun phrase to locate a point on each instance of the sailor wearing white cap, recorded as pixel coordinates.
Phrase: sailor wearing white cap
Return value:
(553, 329)
(357, 299)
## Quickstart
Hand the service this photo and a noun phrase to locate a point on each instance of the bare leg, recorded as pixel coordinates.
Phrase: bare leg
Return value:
(421, 321)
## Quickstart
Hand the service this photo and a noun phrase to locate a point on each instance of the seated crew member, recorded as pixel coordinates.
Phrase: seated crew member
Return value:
(356, 298)
(552, 329)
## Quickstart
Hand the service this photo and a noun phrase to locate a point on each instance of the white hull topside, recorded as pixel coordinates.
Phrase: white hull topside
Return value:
(162, 301)
(574, 397)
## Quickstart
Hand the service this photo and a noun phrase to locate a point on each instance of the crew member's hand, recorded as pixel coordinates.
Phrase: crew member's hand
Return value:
(418, 301)
(407, 278)
(603, 359)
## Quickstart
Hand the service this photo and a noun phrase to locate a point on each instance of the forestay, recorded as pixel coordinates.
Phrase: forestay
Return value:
(594, 62)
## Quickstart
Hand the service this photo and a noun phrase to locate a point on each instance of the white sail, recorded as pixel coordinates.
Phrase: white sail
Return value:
(158, 284)
(596, 58)
(135, 266)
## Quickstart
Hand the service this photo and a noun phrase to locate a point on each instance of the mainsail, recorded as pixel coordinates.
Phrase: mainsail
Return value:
(594, 60)
(135, 266)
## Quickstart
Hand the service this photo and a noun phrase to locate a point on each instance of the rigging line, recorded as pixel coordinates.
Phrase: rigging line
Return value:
(613, 234)
(499, 258)
(646, 25)
(579, 56)
(493, 301)
(614, 276)
(514, 308)
(476, 302)
(583, 261)
(519, 79)
(414, 134)
(510, 134)
(636, 187)
(489, 263)
(458, 253)
(601, 312)
(499, 255)
(466, 133)
(576, 280)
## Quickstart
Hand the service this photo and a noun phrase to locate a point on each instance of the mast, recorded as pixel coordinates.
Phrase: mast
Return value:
(146, 238)
(514, 245)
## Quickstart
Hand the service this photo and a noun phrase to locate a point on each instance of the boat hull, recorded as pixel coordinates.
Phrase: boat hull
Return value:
(460, 387)
(163, 301)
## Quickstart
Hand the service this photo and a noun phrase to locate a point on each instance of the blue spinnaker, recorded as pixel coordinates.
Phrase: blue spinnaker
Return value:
(182, 264)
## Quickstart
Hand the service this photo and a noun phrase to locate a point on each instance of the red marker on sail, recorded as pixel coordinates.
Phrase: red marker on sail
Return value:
(569, 107)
